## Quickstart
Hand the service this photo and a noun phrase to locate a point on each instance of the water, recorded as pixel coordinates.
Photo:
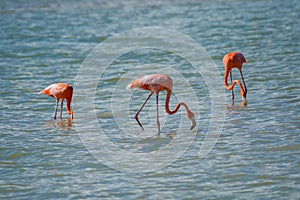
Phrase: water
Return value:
(257, 154)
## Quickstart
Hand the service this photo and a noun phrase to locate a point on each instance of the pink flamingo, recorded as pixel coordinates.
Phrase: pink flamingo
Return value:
(234, 60)
(156, 83)
(60, 91)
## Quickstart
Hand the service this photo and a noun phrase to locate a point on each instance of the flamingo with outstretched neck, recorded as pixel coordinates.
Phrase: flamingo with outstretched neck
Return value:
(235, 60)
(156, 83)
(60, 91)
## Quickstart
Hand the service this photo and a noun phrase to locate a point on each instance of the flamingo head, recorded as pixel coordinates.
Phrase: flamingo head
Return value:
(243, 94)
(244, 100)
(191, 117)
(70, 112)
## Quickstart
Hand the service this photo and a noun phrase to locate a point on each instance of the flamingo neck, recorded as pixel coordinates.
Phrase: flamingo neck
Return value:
(68, 106)
(189, 113)
(230, 87)
(167, 104)
(69, 100)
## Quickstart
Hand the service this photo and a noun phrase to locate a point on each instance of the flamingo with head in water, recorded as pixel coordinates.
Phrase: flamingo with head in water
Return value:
(234, 60)
(156, 83)
(60, 91)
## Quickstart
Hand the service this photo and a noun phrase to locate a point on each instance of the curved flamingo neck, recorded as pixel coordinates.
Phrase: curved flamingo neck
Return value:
(167, 104)
(170, 112)
(189, 114)
(230, 87)
(69, 100)
(68, 106)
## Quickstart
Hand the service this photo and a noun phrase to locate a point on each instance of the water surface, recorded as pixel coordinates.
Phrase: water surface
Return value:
(257, 154)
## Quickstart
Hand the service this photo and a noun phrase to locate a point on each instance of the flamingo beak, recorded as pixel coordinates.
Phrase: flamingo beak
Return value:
(193, 123)
(244, 98)
(243, 94)
(244, 101)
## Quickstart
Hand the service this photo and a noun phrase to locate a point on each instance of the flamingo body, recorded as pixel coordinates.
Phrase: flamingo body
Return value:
(156, 83)
(60, 91)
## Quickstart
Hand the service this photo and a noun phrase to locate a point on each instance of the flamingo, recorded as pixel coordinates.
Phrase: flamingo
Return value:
(234, 60)
(60, 91)
(156, 83)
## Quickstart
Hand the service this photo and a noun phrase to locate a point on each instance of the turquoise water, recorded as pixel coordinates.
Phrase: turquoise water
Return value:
(257, 155)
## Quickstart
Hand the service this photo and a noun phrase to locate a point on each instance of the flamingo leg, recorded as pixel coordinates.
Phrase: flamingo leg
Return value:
(232, 92)
(243, 82)
(56, 108)
(61, 108)
(157, 115)
(138, 112)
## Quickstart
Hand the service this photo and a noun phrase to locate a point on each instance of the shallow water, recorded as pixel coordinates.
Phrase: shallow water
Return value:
(257, 155)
